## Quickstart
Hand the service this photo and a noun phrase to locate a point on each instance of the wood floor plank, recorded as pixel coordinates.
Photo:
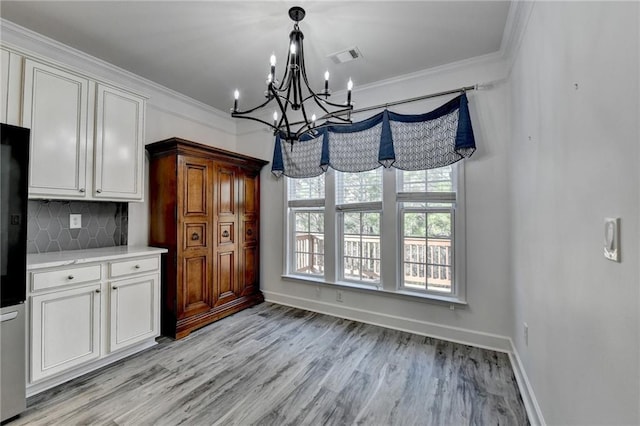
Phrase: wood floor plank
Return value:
(276, 365)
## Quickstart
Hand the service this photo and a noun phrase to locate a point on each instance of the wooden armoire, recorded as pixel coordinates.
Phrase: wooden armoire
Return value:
(205, 209)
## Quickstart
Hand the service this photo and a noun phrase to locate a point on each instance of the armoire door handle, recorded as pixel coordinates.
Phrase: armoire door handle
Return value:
(225, 234)
(249, 232)
(195, 236)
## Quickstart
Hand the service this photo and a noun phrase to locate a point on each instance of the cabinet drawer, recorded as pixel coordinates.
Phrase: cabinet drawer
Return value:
(60, 277)
(136, 266)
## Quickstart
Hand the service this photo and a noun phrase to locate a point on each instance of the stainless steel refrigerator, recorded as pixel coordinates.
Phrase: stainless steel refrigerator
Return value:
(14, 171)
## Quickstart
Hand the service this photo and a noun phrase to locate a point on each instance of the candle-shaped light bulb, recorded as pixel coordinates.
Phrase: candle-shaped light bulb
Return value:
(272, 60)
(275, 119)
(326, 81)
(349, 87)
(236, 95)
(293, 48)
(313, 120)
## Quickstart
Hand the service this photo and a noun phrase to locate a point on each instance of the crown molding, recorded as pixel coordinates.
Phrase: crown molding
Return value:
(32, 44)
(490, 58)
(514, 30)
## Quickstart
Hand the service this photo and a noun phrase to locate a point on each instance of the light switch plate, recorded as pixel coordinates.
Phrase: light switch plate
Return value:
(75, 221)
(612, 238)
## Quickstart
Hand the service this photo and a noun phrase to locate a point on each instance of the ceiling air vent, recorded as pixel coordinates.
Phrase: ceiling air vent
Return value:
(350, 54)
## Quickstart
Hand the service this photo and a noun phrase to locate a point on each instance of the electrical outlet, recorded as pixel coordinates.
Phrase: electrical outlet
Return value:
(75, 221)
(526, 333)
(339, 295)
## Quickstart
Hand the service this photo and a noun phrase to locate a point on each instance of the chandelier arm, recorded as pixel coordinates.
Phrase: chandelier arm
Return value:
(284, 117)
(240, 113)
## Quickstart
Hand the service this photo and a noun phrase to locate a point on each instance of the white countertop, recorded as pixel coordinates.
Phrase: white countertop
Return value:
(76, 257)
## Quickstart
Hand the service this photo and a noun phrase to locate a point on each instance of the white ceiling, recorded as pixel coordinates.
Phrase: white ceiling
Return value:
(206, 49)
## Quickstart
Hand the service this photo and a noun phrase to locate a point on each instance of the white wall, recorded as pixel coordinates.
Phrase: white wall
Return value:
(168, 113)
(488, 295)
(573, 160)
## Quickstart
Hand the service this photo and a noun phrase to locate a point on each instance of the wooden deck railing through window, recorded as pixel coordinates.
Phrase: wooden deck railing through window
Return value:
(424, 261)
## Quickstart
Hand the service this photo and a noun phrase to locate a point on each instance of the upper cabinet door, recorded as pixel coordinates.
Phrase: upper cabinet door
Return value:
(55, 108)
(4, 84)
(119, 144)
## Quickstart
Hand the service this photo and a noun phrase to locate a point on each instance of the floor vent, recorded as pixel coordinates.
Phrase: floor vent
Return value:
(347, 55)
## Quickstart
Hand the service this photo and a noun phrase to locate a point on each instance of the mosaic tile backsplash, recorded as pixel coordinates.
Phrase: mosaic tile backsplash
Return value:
(104, 224)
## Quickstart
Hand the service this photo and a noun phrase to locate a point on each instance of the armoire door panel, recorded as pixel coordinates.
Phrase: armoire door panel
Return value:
(195, 188)
(226, 184)
(226, 233)
(250, 273)
(250, 232)
(250, 185)
(195, 281)
(195, 235)
(226, 277)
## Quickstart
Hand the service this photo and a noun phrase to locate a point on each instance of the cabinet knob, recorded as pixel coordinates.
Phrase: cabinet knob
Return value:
(195, 236)
(137, 266)
(98, 191)
(81, 190)
(249, 232)
(225, 234)
(114, 287)
(70, 277)
(97, 290)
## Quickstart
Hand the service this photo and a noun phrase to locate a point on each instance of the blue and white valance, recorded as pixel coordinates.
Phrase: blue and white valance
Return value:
(408, 142)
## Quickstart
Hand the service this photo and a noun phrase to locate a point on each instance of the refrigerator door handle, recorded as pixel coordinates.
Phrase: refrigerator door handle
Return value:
(8, 316)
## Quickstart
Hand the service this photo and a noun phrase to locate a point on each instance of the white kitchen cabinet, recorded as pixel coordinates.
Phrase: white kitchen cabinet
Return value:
(10, 87)
(86, 136)
(4, 84)
(134, 315)
(55, 108)
(119, 146)
(66, 330)
(89, 308)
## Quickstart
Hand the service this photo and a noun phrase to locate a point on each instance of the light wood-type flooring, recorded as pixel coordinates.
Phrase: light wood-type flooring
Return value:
(274, 365)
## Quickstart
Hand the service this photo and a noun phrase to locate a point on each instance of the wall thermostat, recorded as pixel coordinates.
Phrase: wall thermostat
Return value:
(612, 238)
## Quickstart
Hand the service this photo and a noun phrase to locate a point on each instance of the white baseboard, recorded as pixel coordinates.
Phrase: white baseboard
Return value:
(424, 328)
(528, 397)
(50, 382)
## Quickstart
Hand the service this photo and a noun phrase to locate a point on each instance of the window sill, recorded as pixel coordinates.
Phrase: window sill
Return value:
(404, 294)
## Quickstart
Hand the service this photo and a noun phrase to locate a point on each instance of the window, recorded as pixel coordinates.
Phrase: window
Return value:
(306, 217)
(386, 229)
(427, 202)
(359, 207)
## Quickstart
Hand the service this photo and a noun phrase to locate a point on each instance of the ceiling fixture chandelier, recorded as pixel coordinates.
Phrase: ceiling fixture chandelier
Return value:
(296, 103)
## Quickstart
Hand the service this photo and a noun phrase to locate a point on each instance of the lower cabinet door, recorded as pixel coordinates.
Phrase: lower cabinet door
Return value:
(66, 330)
(135, 304)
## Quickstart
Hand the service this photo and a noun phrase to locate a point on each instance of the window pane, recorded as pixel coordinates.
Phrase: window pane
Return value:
(427, 251)
(316, 222)
(307, 188)
(352, 223)
(415, 225)
(439, 225)
(302, 222)
(359, 187)
(434, 180)
(371, 223)
(309, 242)
(361, 246)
